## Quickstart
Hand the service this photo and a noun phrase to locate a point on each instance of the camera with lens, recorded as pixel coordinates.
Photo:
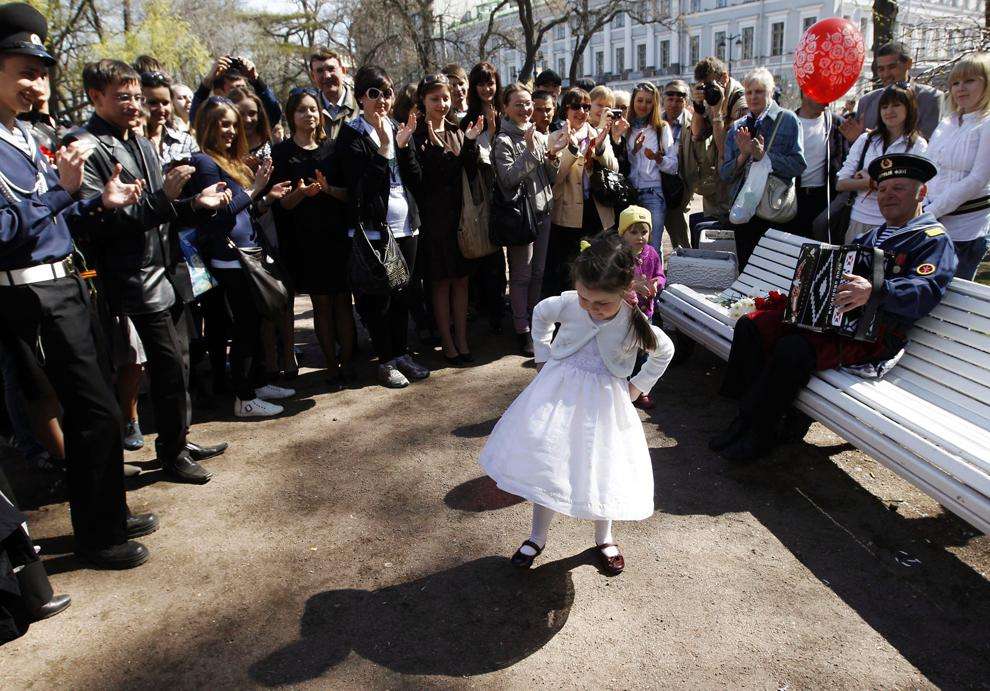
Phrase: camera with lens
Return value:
(236, 63)
(713, 94)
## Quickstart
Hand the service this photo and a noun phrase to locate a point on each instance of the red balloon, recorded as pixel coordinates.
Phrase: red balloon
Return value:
(829, 59)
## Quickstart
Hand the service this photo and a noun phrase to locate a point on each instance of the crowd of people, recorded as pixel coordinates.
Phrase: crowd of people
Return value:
(126, 239)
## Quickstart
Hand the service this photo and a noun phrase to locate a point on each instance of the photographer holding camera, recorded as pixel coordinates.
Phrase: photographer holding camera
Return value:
(718, 101)
(228, 73)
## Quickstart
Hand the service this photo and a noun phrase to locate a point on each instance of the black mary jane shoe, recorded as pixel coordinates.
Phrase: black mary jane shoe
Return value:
(612, 566)
(452, 360)
(522, 560)
(748, 449)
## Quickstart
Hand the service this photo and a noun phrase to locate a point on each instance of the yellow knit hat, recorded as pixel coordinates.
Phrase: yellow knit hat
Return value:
(634, 214)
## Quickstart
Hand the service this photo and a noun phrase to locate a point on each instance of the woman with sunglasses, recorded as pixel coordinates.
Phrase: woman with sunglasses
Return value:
(378, 167)
(444, 151)
(223, 158)
(312, 238)
(576, 213)
(647, 150)
(521, 156)
(488, 282)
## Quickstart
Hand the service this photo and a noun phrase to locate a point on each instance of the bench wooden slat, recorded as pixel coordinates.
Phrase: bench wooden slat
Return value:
(966, 303)
(787, 238)
(781, 247)
(771, 267)
(688, 326)
(937, 381)
(941, 374)
(786, 263)
(953, 332)
(963, 501)
(698, 301)
(778, 282)
(963, 318)
(707, 320)
(973, 373)
(970, 289)
(960, 351)
(934, 453)
(956, 403)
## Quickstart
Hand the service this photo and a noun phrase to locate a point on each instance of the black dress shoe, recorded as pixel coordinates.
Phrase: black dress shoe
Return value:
(201, 453)
(466, 358)
(729, 435)
(452, 360)
(123, 556)
(525, 343)
(141, 524)
(748, 449)
(184, 468)
(37, 595)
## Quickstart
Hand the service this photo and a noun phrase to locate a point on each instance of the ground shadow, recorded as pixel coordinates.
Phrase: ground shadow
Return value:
(476, 430)
(480, 494)
(892, 569)
(471, 619)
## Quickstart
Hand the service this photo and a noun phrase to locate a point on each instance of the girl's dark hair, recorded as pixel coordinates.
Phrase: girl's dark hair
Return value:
(574, 97)
(370, 77)
(292, 105)
(405, 101)
(482, 73)
(609, 265)
(897, 94)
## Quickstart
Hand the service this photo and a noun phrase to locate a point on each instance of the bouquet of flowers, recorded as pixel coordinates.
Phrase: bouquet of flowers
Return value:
(743, 306)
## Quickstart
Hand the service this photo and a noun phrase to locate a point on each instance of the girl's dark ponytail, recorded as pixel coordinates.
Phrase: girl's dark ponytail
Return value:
(608, 264)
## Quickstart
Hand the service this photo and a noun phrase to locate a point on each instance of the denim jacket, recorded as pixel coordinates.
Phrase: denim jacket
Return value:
(786, 154)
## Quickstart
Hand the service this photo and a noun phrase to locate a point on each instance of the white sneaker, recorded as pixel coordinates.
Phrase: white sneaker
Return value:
(411, 369)
(255, 408)
(270, 392)
(390, 377)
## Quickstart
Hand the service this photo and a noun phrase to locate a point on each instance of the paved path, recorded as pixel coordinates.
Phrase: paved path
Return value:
(354, 543)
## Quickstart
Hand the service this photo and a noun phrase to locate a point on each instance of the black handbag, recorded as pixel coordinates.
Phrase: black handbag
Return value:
(611, 188)
(267, 286)
(512, 220)
(374, 272)
(673, 190)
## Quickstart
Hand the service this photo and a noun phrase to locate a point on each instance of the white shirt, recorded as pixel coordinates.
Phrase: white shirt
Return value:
(961, 152)
(397, 214)
(865, 209)
(815, 137)
(644, 173)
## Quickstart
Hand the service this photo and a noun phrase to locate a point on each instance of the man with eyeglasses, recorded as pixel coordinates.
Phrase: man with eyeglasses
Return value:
(336, 96)
(131, 247)
(894, 66)
(675, 112)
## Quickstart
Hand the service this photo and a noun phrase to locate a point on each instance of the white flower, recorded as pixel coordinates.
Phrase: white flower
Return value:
(741, 308)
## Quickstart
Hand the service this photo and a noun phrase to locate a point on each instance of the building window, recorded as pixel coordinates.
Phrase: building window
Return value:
(807, 23)
(720, 3)
(620, 60)
(747, 42)
(720, 45)
(513, 73)
(619, 20)
(558, 31)
(777, 39)
(694, 49)
(696, 5)
(599, 62)
(561, 66)
(664, 54)
(641, 57)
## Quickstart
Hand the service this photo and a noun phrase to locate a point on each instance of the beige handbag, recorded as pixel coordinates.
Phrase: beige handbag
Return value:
(474, 234)
(779, 201)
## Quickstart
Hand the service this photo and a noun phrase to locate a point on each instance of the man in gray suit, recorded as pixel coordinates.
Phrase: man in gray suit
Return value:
(893, 66)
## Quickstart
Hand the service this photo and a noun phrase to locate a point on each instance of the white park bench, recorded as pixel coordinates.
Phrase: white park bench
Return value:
(928, 419)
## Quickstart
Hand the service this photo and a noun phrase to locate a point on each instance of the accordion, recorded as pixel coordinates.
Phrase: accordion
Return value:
(817, 278)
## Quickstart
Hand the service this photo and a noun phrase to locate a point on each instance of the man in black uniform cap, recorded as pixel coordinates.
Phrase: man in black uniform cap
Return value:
(770, 362)
(44, 313)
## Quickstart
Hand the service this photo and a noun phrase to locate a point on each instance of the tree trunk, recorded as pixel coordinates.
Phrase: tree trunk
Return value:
(530, 44)
(126, 6)
(884, 22)
(577, 57)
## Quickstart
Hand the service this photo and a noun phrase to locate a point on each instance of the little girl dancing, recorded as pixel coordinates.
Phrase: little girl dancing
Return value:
(572, 442)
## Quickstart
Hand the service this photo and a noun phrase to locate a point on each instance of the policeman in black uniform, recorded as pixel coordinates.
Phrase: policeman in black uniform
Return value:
(771, 362)
(44, 309)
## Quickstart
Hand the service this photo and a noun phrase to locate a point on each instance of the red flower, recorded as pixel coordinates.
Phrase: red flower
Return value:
(774, 300)
(48, 153)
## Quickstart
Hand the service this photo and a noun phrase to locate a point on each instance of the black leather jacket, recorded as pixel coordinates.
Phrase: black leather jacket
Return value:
(132, 248)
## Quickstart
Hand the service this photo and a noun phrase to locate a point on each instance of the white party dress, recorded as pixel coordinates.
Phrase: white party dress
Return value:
(573, 442)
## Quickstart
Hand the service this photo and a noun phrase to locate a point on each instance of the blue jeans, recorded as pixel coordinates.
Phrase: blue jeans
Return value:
(970, 254)
(651, 199)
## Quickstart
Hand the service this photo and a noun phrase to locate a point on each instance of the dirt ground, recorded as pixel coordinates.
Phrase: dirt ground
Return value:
(354, 542)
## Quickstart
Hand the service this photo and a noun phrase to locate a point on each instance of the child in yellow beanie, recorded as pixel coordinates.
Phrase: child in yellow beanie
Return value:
(635, 226)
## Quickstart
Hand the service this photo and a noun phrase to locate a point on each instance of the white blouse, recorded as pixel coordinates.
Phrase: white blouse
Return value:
(644, 173)
(960, 149)
(865, 208)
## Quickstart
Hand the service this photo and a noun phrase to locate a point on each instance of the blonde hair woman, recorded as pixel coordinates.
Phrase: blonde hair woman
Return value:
(959, 195)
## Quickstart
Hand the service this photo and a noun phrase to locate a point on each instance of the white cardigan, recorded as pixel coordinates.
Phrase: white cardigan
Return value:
(615, 339)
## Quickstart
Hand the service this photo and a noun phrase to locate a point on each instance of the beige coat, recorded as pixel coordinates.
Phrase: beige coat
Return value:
(568, 188)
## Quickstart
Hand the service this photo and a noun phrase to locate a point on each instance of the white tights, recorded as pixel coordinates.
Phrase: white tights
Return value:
(541, 526)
